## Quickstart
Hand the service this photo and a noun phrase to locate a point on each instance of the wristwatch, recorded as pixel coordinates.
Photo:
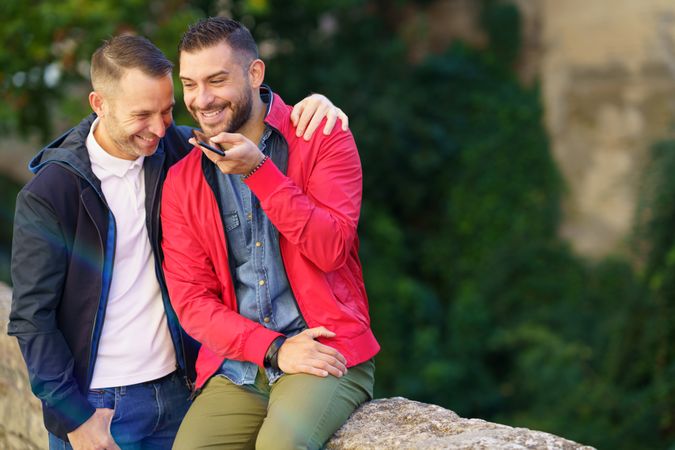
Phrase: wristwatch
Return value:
(272, 354)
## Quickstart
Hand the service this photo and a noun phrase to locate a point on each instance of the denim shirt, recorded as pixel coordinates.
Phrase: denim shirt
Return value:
(261, 286)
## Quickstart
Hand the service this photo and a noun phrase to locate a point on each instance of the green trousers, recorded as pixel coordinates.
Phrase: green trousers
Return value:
(298, 411)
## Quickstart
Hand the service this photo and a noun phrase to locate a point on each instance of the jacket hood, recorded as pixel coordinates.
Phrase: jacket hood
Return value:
(69, 150)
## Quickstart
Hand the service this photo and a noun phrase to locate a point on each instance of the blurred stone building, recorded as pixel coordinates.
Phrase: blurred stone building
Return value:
(606, 70)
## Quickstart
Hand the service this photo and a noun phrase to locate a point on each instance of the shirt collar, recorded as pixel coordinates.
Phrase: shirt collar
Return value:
(107, 162)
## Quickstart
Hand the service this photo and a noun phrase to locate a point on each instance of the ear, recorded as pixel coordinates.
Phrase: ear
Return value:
(256, 73)
(97, 103)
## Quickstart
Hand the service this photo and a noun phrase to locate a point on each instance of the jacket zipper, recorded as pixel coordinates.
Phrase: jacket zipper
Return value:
(105, 287)
(216, 193)
(181, 362)
(283, 258)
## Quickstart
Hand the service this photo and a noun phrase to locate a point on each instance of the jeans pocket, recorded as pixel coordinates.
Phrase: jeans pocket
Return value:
(102, 398)
(57, 444)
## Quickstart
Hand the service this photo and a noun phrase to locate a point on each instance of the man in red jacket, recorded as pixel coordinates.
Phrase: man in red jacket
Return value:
(261, 258)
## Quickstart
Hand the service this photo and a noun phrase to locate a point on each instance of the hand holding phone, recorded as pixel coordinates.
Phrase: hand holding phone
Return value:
(201, 141)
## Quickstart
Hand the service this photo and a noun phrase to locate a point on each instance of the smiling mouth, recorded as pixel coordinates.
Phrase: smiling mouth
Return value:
(148, 141)
(211, 113)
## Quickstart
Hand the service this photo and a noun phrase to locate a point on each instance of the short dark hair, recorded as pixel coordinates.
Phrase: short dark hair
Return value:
(123, 52)
(214, 30)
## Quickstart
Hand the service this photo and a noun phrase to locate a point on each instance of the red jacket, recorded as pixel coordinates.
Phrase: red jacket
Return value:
(316, 210)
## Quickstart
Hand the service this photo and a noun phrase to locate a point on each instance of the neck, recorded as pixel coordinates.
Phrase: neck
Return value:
(255, 126)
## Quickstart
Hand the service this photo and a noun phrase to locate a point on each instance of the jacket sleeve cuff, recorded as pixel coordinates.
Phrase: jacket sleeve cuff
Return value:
(264, 181)
(73, 411)
(258, 343)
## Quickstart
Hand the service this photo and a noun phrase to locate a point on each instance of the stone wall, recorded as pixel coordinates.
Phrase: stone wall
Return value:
(399, 423)
(20, 412)
(381, 424)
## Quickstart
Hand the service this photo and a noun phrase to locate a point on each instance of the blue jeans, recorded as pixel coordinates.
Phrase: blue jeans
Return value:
(147, 415)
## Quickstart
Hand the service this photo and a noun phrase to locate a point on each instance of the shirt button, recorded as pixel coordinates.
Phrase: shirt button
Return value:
(261, 282)
(258, 244)
(266, 320)
(249, 216)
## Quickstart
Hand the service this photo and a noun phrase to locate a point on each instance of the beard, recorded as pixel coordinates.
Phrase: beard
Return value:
(240, 114)
(125, 142)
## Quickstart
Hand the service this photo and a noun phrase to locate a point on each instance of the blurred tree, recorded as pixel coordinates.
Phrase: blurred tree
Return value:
(44, 66)
(478, 304)
(47, 46)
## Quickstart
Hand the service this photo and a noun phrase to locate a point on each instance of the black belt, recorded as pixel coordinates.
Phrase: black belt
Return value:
(161, 379)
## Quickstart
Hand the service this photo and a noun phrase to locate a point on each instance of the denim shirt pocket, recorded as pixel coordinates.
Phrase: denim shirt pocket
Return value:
(235, 237)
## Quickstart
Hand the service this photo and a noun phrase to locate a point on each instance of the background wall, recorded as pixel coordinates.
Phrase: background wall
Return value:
(608, 79)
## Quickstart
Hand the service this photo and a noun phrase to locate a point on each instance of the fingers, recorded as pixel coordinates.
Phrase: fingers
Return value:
(228, 138)
(311, 370)
(302, 353)
(110, 442)
(337, 367)
(108, 415)
(318, 332)
(345, 120)
(305, 114)
(95, 432)
(318, 116)
(242, 155)
(321, 365)
(319, 369)
(332, 353)
(308, 116)
(296, 113)
(331, 117)
(325, 349)
(333, 114)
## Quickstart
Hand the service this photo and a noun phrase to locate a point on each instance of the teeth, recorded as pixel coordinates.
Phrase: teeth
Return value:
(146, 139)
(211, 113)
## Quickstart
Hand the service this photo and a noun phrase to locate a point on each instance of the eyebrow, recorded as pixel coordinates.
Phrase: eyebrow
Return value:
(208, 77)
(147, 111)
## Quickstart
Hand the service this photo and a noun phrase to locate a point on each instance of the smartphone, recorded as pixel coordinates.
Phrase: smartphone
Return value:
(201, 140)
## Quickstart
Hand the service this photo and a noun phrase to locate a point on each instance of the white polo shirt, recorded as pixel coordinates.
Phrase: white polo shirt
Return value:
(135, 344)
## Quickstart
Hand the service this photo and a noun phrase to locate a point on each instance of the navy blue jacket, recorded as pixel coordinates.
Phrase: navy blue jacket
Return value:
(62, 254)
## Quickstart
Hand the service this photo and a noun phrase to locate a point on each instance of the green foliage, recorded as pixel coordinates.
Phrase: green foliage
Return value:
(8, 191)
(654, 321)
(47, 46)
(501, 20)
(477, 303)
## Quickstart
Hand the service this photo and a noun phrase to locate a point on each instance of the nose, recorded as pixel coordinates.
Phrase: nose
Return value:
(204, 98)
(158, 126)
